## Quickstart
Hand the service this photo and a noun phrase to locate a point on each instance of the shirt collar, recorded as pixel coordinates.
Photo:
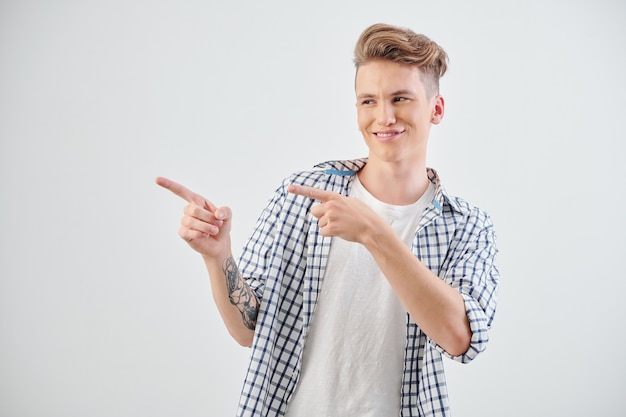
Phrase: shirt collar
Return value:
(348, 168)
(343, 168)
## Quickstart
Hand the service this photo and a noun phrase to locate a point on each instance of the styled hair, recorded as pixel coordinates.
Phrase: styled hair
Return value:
(392, 43)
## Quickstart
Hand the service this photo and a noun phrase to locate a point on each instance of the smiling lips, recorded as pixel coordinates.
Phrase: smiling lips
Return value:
(388, 136)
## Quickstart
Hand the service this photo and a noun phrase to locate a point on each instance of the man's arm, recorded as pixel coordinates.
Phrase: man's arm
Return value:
(235, 300)
(437, 308)
(206, 229)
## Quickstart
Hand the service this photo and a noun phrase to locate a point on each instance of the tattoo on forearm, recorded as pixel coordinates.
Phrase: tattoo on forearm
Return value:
(240, 294)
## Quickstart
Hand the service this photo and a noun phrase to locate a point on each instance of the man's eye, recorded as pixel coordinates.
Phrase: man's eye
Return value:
(366, 102)
(398, 99)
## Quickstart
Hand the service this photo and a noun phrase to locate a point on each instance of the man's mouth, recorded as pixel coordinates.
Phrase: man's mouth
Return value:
(384, 136)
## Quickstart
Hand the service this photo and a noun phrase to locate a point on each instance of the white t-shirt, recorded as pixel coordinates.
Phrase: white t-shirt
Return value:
(353, 359)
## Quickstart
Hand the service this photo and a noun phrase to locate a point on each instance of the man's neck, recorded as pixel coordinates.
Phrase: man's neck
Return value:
(395, 183)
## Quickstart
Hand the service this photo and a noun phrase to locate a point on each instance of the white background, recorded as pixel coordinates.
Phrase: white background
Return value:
(104, 311)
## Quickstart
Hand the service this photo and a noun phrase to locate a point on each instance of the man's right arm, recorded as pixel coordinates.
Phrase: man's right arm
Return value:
(206, 229)
(235, 300)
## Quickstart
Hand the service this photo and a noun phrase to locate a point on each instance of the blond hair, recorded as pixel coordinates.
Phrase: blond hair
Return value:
(392, 43)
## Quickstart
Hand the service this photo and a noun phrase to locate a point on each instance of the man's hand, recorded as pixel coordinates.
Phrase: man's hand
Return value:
(341, 216)
(204, 227)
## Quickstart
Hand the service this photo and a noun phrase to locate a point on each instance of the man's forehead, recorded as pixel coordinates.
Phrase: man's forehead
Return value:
(388, 86)
(388, 77)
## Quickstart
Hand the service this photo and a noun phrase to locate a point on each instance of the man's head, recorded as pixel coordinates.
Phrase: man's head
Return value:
(391, 43)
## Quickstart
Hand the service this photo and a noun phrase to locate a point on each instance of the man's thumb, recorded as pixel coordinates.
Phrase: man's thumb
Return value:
(223, 213)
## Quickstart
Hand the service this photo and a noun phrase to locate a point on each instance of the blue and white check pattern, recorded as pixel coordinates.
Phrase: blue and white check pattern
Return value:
(284, 262)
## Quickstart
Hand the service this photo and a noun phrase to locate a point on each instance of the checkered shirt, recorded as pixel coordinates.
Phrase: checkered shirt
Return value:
(284, 261)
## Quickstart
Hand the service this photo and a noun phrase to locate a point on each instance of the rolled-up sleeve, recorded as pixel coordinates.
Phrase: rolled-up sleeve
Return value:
(472, 271)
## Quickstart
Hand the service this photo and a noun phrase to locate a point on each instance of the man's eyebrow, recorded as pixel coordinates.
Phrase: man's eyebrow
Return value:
(403, 92)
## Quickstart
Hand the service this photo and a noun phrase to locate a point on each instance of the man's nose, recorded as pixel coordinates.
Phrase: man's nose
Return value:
(386, 115)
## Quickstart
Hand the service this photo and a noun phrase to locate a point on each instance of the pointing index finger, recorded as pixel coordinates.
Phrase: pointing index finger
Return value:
(183, 192)
(311, 192)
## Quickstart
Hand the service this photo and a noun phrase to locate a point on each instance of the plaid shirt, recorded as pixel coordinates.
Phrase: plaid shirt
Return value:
(284, 262)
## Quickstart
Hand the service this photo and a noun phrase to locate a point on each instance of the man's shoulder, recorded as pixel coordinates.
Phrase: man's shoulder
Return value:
(465, 211)
(456, 206)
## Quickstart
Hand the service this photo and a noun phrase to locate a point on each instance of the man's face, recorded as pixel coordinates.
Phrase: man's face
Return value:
(394, 111)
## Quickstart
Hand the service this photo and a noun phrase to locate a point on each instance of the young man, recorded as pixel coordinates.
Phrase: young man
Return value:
(360, 275)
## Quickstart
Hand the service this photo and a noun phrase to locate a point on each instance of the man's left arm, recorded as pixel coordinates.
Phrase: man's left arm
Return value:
(437, 307)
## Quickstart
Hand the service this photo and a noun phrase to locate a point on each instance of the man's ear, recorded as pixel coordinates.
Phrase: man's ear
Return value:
(438, 110)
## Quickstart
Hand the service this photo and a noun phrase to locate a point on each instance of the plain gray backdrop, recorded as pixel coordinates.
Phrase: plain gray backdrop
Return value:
(105, 311)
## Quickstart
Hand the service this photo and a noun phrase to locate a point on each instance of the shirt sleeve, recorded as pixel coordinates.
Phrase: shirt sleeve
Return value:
(255, 257)
(473, 272)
